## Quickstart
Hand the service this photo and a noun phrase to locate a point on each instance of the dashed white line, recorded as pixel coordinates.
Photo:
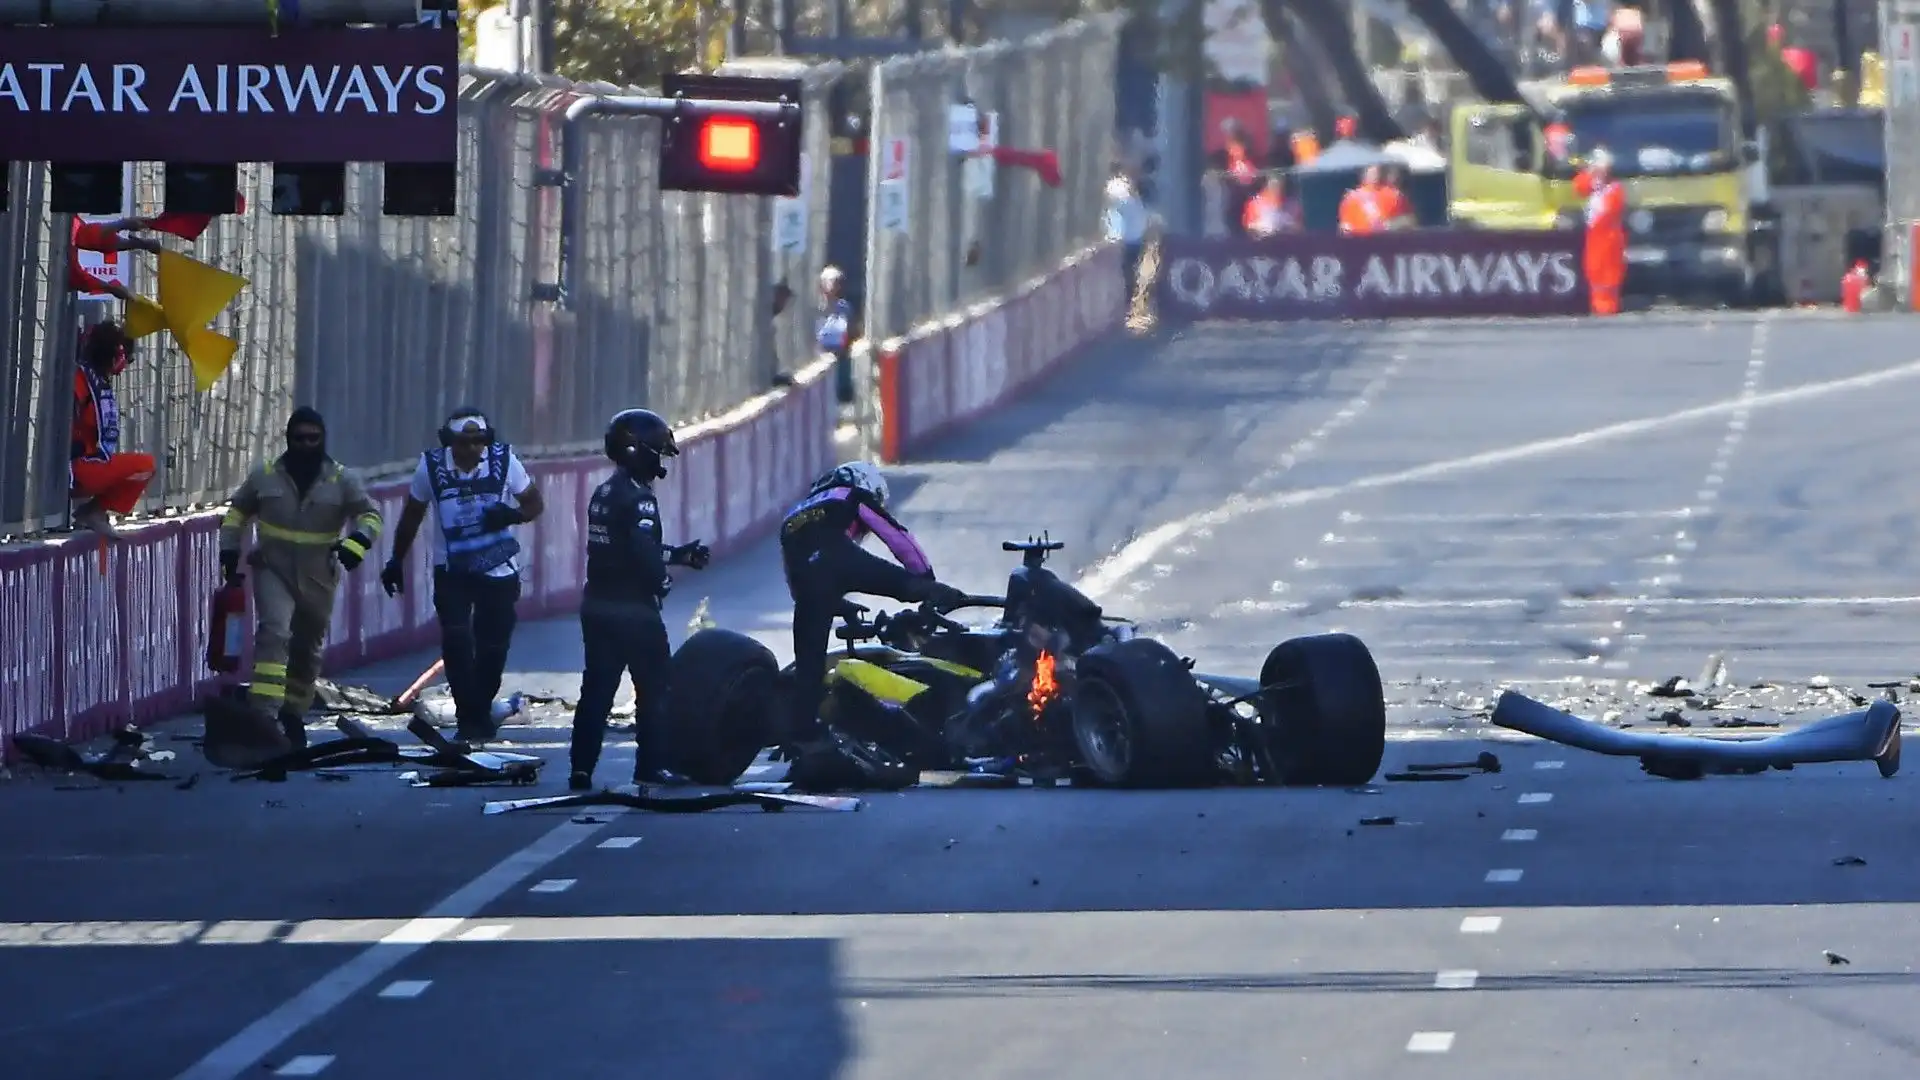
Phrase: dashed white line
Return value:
(1549, 764)
(1480, 924)
(243, 1053)
(618, 842)
(1534, 797)
(1139, 553)
(486, 932)
(553, 885)
(406, 988)
(1520, 835)
(305, 1065)
(1430, 1042)
(1503, 877)
(1456, 980)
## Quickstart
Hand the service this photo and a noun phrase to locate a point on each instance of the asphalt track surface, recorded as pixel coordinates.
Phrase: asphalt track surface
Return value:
(1482, 502)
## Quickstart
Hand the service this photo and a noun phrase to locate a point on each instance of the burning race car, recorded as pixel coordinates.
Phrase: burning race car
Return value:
(1053, 689)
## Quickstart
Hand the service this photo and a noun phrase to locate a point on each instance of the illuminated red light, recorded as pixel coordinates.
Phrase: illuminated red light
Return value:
(729, 145)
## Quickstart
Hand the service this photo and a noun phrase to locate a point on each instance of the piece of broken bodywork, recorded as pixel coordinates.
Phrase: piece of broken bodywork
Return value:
(1485, 762)
(118, 763)
(678, 804)
(455, 764)
(1872, 734)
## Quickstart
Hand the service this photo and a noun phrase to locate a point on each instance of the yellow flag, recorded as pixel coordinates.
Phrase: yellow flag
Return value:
(192, 293)
(144, 318)
(209, 351)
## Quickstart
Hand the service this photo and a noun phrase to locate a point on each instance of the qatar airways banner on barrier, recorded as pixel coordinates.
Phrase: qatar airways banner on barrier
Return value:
(1421, 273)
(313, 95)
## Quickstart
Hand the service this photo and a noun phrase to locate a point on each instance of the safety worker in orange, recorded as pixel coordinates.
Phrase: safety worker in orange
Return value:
(1364, 209)
(1395, 209)
(1606, 243)
(101, 478)
(1267, 213)
(1306, 146)
(298, 504)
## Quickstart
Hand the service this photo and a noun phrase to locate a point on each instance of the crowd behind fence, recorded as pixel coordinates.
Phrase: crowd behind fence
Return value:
(1051, 92)
(386, 324)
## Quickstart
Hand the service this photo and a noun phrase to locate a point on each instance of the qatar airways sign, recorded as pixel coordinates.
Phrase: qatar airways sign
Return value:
(1426, 272)
(229, 95)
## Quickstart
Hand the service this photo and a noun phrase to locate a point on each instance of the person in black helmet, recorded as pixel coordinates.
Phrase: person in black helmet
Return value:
(820, 548)
(620, 609)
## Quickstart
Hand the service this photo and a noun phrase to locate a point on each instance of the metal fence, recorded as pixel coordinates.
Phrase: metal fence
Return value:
(1900, 52)
(386, 324)
(1051, 92)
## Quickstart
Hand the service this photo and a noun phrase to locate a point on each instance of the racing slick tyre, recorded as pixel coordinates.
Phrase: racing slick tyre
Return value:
(1326, 714)
(1139, 719)
(722, 699)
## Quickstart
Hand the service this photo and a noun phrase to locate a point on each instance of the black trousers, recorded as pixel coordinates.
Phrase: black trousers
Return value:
(477, 618)
(819, 580)
(622, 638)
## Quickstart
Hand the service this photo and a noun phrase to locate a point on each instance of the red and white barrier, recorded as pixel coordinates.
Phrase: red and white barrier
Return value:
(83, 651)
(950, 372)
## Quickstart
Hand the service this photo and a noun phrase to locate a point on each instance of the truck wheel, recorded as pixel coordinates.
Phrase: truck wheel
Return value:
(1139, 719)
(1326, 716)
(722, 701)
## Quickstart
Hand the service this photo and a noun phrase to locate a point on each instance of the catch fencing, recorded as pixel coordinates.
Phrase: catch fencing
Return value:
(935, 242)
(386, 324)
(1900, 50)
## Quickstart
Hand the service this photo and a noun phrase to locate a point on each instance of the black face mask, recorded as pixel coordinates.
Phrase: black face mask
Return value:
(303, 461)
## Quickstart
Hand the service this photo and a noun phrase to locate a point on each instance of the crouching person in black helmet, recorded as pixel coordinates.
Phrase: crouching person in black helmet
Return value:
(620, 611)
(820, 547)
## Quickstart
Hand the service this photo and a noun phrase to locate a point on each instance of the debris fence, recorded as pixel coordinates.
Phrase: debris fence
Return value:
(386, 324)
(945, 235)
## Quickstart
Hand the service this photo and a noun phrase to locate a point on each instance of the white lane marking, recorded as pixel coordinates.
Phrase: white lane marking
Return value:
(1122, 565)
(1480, 924)
(1503, 877)
(406, 988)
(486, 932)
(1520, 836)
(1532, 797)
(1549, 764)
(1543, 604)
(1707, 499)
(305, 1065)
(1456, 980)
(553, 885)
(1430, 1042)
(1349, 517)
(617, 842)
(243, 1053)
(421, 931)
(1140, 552)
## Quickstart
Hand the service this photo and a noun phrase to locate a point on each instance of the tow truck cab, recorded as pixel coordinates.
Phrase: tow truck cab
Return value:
(1697, 219)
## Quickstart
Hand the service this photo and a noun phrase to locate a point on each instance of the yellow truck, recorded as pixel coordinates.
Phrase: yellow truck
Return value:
(1698, 222)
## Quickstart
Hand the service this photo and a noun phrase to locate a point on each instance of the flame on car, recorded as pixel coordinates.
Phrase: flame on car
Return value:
(1045, 686)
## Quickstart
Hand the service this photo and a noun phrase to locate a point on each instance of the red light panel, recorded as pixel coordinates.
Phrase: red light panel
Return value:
(729, 145)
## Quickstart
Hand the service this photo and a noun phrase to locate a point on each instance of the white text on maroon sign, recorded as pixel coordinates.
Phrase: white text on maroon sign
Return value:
(1326, 278)
(222, 89)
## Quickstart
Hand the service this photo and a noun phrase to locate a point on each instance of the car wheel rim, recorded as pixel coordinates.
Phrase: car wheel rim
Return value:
(1102, 723)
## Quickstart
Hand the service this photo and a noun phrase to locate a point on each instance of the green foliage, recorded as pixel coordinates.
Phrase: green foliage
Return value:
(625, 42)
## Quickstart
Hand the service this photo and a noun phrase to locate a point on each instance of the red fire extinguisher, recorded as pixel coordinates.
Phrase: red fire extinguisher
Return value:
(1853, 286)
(227, 627)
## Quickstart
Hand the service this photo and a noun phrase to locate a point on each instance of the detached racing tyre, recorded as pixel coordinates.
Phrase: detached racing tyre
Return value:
(1139, 719)
(1326, 719)
(722, 700)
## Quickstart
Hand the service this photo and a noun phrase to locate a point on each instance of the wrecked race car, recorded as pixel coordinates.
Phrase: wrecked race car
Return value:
(1054, 689)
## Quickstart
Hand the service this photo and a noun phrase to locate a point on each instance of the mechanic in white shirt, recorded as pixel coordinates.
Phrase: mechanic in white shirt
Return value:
(478, 491)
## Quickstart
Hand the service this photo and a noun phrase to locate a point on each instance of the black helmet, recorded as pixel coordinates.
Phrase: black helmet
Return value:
(637, 440)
